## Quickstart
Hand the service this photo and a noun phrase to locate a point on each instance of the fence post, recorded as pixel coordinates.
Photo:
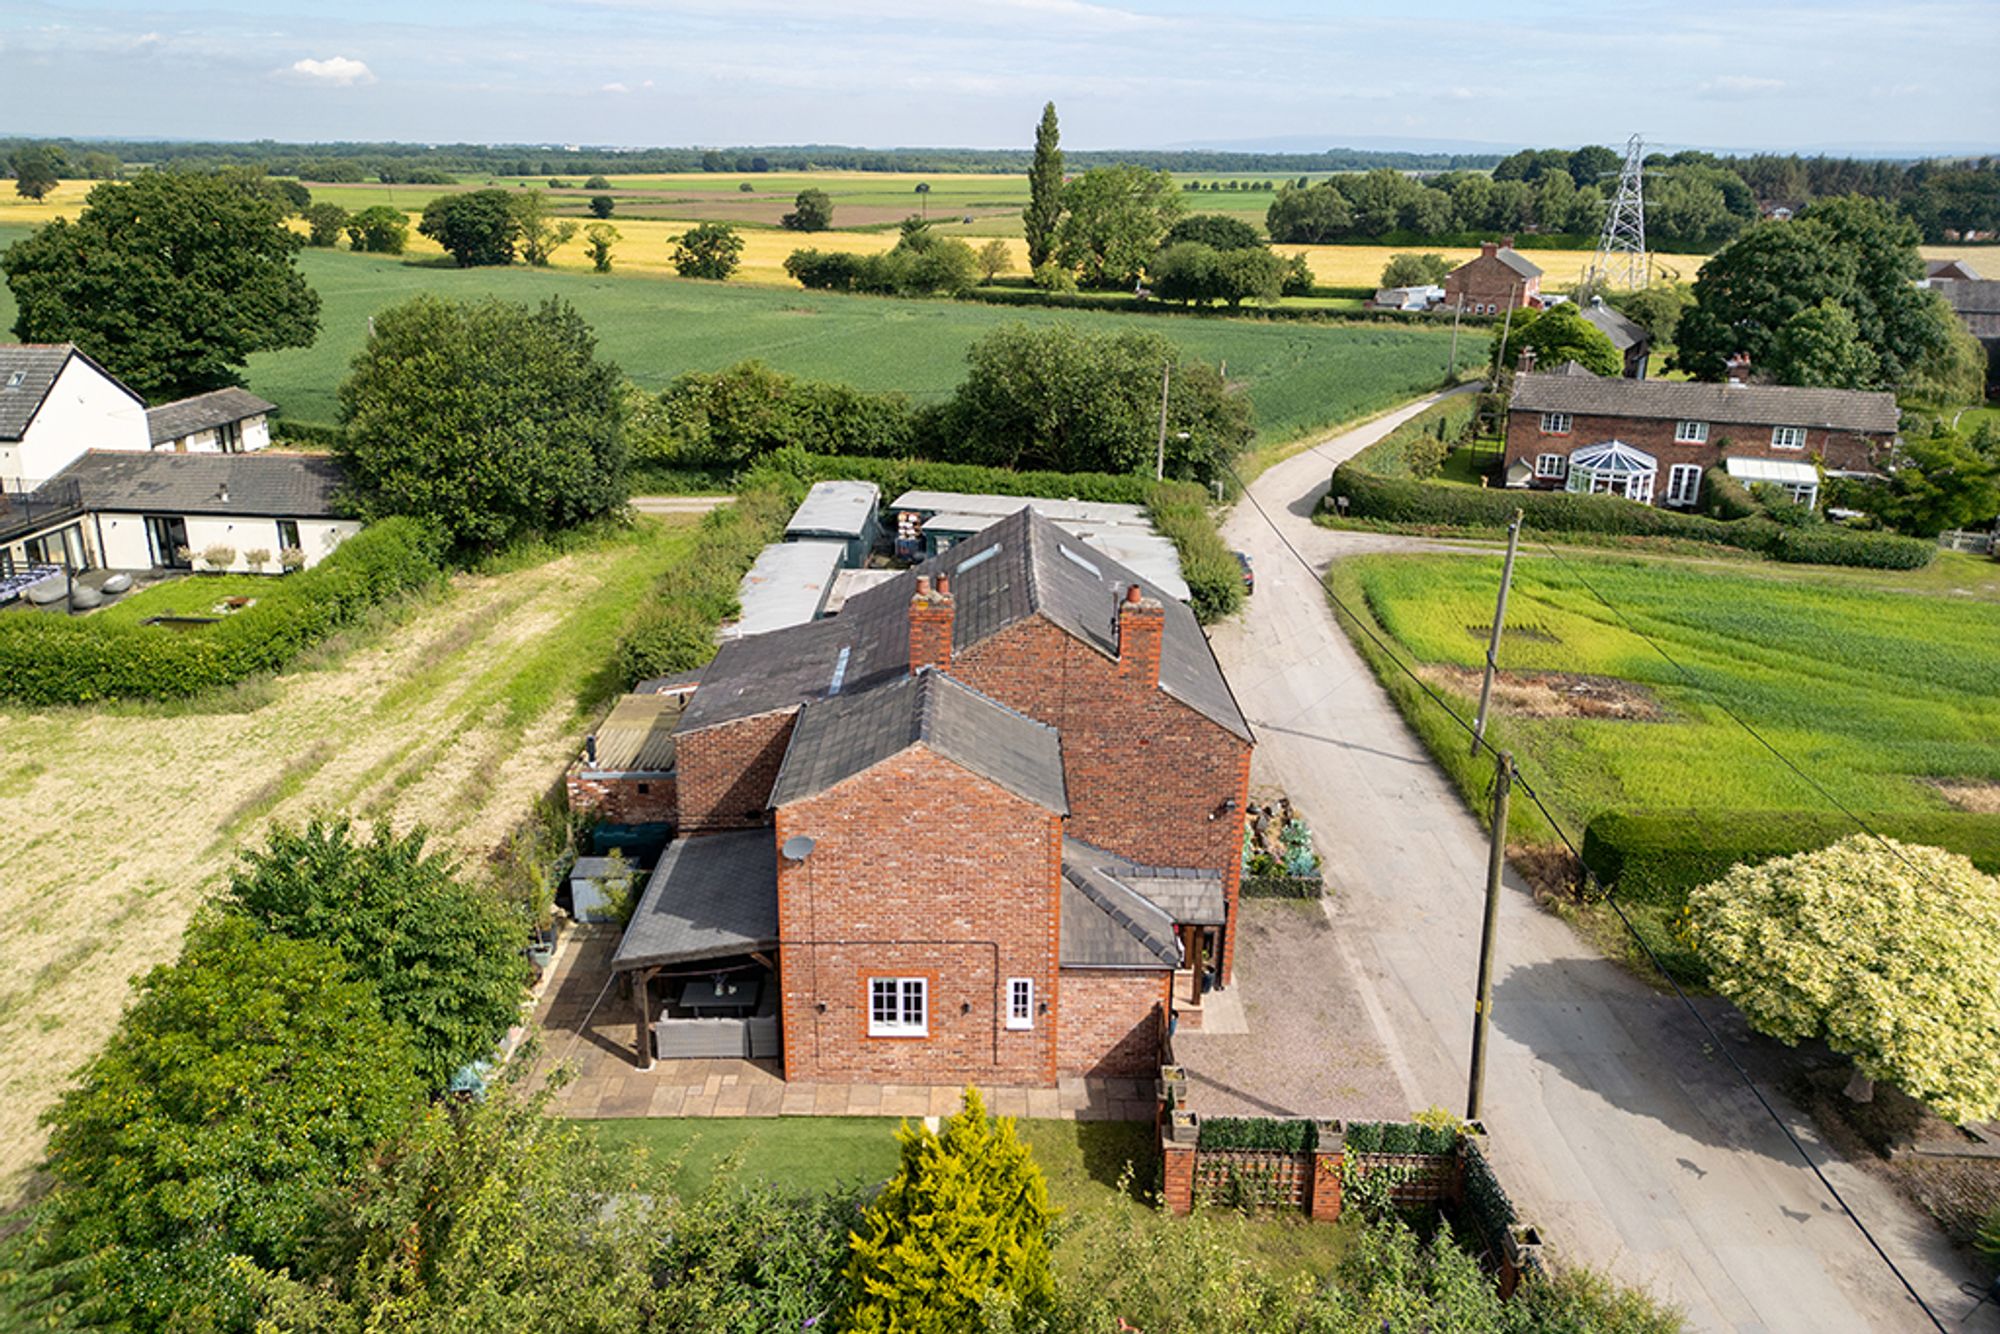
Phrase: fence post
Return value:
(1179, 1133)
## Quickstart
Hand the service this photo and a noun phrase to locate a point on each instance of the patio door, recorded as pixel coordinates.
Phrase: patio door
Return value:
(167, 538)
(1684, 484)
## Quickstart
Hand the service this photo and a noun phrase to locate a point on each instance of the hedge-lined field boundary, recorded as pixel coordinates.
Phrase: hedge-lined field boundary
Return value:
(1659, 857)
(58, 659)
(1381, 483)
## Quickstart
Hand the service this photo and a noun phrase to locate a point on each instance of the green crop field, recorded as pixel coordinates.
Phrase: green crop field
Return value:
(1300, 376)
(1878, 691)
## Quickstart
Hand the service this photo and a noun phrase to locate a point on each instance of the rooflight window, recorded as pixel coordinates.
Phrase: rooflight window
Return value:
(14, 380)
(839, 672)
(979, 558)
(1078, 560)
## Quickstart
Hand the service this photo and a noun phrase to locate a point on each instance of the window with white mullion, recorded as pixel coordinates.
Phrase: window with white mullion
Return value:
(1788, 437)
(1684, 484)
(1020, 1002)
(1555, 423)
(897, 1007)
(1691, 433)
(1554, 466)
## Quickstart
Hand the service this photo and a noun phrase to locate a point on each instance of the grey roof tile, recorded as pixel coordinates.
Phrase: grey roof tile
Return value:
(1518, 262)
(839, 737)
(203, 412)
(1688, 400)
(1010, 571)
(1188, 894)
(711, 895)
(284, 486)
(1107, 924)
(1970, 296)
(1625, 333)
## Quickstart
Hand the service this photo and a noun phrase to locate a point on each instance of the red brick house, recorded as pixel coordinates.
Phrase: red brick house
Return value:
(1500, 277)
(972, 828)
(1651, 440)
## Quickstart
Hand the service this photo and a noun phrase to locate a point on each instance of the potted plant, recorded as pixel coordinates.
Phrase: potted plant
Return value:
(1173, 1085)
(257, 559)
(218, 557)
(291, 559)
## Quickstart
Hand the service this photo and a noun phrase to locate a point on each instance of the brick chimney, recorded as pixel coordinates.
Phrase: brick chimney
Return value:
(931, 615)
(1527, 360)
(1142, 624)
(1488, 249)
(1739, 368)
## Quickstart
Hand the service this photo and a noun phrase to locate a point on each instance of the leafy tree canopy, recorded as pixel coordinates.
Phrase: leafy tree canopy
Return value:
(324, 223)
(250, 1081)
(378, 229)
(598, 238)
(963, 1221)
(37, 170)
(1218, 231)
(1114, 219)
(602, 206)
(541, 234)
(1053, 396)
(1941, 479)
(1415, 270)
(477, 228)
(1190, 272)
(1045, 183)
(1310, 215)
(812, 211)
(731, 418)
(171, 280)
(1558, 334)
(1821, 347)
(1883, 949)
(708, 250)
(489, 419)
(444, 958)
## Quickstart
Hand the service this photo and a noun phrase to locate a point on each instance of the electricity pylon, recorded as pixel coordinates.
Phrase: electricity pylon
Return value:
(1621, 247)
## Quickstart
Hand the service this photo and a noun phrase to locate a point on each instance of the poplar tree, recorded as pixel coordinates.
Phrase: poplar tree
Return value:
(1045, 183)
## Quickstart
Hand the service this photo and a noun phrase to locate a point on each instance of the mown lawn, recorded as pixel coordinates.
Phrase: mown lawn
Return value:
(1100, 1173)
(194, 595)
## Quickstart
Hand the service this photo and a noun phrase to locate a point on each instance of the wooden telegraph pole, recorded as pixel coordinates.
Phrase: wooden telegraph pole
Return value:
(1496, 864)
(1493, 642)
(1160, 459)
(1457, 311)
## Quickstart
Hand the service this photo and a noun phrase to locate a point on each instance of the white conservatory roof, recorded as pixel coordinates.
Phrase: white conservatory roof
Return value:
(1613, 456)
(1773, 470)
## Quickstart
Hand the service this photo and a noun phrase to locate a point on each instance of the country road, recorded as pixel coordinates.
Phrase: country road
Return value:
(1628, 1144)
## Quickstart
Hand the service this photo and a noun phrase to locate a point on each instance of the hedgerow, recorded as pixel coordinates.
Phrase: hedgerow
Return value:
(50, 659)
(1215, 581)
(1661, 856)
(1265, 1133)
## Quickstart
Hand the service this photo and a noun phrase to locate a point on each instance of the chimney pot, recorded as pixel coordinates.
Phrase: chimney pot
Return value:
(944, 585)
(1132, 593)
(923, 585)
(1488, 249)
(931, 617)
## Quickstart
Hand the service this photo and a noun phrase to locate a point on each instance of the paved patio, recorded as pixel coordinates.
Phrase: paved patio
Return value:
(587, 1026)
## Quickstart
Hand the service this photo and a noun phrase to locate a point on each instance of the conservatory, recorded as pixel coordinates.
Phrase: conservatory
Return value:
(1613, 468)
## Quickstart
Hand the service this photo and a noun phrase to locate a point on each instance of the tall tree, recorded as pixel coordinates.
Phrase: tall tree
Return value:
(377, 230)
(1821, 347)
(491, 420)
(37, 170)
(1558, 334)
(1045, 183)
(1883, 949)
(598, 239)
(250, 1082)
(812, 211)
(444, 957)
(709, 250)
(541, 235)
(476, 228)
(1114, 219)
(171, 280)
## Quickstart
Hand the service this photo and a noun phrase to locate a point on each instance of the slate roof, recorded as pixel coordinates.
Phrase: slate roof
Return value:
(1108, 924)
(638, 737)
(38, 365)
(204, 412)
(839, 737)
(282, 486)
(1976, 297)
(1949, 269)
(711, 895)
(1518, 262)
(1021, 566)
(1624, 332)
(1687, 400)
(1189, 895)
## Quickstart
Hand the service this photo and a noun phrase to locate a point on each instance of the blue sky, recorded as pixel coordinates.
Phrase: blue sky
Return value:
(1124, 73)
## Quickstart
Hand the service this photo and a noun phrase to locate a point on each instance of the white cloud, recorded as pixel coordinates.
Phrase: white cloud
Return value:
(614, 88)
(334, 72)
(1741, 85)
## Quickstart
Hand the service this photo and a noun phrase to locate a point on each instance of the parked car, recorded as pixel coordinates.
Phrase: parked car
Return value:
(1249, 575)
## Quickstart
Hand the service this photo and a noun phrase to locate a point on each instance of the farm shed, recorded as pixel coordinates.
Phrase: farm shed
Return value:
(929, 522)
(845, 512)
(788, 585)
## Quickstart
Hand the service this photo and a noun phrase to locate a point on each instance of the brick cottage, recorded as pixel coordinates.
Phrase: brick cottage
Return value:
(974, 827)
(1651, 440)
(1498, 277)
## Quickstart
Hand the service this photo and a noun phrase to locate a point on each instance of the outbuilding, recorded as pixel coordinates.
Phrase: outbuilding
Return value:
(843, 511)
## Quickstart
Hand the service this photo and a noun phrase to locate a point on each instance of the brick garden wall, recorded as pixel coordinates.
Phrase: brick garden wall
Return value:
(1145, 772)
(725, 772)
(917, 849)
(1111, 1021)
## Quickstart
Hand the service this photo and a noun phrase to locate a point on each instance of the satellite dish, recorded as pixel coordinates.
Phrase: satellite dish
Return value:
(797, 848)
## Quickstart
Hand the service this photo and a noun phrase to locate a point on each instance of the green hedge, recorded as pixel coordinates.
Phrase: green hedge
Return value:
(1266, 1134)
(1659, 856)
(1214, 579)
(1418, 446)
(306, 433)
(1399, 500)
(1400, 1137)
(55, 659)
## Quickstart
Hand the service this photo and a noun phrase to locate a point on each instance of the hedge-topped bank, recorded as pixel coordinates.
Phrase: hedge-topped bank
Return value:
(1383, 483)
(1660, 856)
(53, 659)
(1179, 510)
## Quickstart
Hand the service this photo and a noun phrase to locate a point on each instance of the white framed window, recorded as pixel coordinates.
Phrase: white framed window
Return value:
(1788, 437)
(1020, 1002)
(1555, 423)
(1690, 433)
(898, 1007)
(1684, 484)
(1552, 466)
